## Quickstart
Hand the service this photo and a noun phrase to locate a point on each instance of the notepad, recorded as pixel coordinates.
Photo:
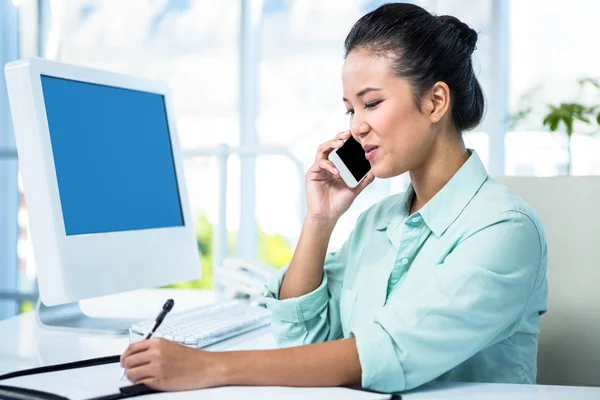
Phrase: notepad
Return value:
(75, 384)
(271, 393)
(100, 378)
(104, 380)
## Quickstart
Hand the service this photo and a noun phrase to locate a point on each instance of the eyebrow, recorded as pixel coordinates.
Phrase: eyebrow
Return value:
(363, 92)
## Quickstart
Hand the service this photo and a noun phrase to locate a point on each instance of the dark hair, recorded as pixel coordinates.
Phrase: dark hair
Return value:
(425, 49)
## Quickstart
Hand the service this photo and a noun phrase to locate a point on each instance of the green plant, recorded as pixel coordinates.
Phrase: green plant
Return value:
(564, 114)
(568, 113)
(204, 241)
(26, 306)
(524, 108)
(515, 119)
(272, 249)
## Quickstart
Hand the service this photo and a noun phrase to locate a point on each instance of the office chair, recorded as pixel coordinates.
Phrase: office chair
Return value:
(569, 341)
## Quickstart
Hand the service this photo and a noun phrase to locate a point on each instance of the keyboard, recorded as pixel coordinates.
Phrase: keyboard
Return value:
(204, 326)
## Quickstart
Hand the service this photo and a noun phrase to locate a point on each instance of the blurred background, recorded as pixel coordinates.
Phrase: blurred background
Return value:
(267, 73)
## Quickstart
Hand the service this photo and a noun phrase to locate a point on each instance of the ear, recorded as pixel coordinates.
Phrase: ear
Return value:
(437, 102)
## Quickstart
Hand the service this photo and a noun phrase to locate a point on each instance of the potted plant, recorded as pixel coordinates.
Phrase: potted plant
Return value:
(565, 114)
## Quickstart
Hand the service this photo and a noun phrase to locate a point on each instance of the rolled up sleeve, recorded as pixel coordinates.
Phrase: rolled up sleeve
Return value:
(448, 312)
(315, 316)
(298, 309)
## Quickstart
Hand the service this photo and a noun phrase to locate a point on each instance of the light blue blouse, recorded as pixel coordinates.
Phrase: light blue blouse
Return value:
(453, 292)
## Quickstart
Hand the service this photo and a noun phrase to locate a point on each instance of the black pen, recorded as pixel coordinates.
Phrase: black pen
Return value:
(161, 316)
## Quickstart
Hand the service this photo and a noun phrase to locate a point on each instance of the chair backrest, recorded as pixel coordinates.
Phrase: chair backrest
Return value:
(569, 341)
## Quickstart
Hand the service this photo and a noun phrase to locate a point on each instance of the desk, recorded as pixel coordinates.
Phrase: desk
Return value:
(23, 344)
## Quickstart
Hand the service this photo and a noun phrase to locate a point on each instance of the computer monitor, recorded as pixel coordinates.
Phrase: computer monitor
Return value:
(104, 186)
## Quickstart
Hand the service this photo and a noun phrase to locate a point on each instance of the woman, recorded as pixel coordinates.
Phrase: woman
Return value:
(445, 282)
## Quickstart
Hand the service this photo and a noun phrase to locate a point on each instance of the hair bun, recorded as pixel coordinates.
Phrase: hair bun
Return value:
(465, 33)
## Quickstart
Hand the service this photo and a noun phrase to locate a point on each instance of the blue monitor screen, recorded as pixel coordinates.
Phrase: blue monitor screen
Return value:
(113, 157)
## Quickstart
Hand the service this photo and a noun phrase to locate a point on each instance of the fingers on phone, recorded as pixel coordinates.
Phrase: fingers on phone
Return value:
(328, 147)
(328, 165)
(343, 135)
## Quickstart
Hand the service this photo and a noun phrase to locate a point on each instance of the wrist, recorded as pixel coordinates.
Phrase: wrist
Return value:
(319, 222)
(233, 368)
(221, 366)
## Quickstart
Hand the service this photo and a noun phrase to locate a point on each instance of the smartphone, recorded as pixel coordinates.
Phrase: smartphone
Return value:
(350, 160)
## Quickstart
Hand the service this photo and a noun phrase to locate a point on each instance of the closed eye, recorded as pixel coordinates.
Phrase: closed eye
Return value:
(370, 105)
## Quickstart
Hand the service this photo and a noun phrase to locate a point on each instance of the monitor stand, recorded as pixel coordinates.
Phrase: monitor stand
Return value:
(70, 317)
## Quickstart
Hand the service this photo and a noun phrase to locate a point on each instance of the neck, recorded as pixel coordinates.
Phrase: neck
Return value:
(429, 178)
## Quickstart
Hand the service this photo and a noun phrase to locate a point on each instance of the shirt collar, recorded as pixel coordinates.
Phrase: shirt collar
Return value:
(443, 209)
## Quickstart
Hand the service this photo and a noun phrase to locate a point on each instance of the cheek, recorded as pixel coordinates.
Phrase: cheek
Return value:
(403, 133)
(399, 128)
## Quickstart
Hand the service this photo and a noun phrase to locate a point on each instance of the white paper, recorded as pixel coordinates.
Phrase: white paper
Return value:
(103, 380)
(270, 393)
(75, 384)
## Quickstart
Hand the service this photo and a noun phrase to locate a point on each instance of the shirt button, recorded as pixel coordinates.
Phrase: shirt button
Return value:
(416, 218)
(405, 261)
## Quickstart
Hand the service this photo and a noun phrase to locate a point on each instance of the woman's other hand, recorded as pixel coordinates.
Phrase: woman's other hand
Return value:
(167, 366)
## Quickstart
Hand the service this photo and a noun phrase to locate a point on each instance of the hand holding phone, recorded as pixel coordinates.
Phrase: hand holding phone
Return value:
(350, 160)
(328, 193)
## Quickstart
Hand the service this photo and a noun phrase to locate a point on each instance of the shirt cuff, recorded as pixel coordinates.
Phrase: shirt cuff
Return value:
(381, 368)
(295, 309)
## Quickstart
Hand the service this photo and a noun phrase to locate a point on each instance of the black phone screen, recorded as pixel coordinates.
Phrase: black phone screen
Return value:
(353, 155)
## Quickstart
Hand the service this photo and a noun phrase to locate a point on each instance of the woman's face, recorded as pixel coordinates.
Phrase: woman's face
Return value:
(383, 115)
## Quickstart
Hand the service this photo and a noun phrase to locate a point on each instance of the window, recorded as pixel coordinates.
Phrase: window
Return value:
(549, 52)
(8, 170)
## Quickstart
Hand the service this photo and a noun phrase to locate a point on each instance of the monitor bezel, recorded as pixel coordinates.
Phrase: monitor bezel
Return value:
(146, 258)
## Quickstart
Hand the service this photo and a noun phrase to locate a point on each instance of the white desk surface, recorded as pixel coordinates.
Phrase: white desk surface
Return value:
(23, 344)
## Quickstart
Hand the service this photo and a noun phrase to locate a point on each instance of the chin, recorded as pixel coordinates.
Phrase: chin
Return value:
(379, 172)
(384, 172)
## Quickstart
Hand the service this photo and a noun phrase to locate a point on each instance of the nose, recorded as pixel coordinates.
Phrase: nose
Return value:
(359, 127)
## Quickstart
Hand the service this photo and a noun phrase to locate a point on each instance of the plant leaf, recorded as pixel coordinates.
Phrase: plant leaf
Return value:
(568, 113)
(569, 124)
(592, 81)
(515, 119)
(551, 120)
